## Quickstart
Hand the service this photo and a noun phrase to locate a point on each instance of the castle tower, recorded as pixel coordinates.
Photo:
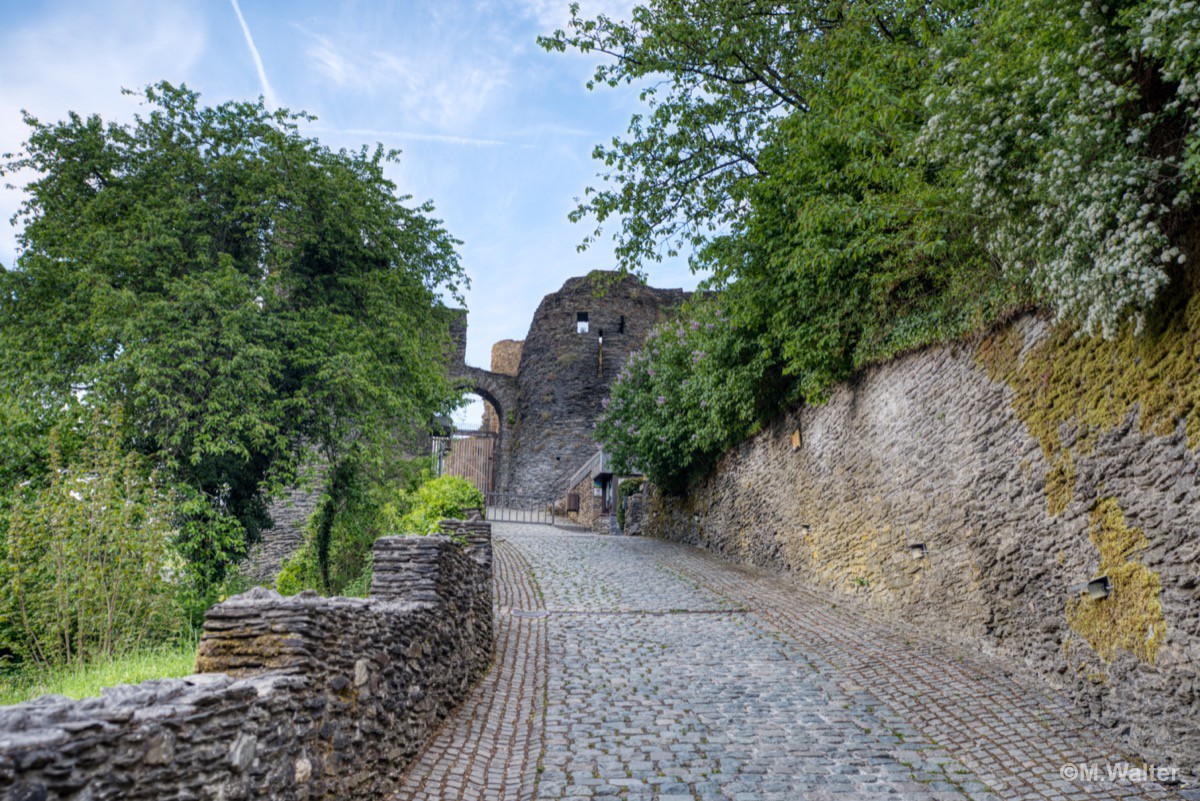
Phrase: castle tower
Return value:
(578, 341)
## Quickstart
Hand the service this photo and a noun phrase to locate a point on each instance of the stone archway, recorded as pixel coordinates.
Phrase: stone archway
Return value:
(502, 393)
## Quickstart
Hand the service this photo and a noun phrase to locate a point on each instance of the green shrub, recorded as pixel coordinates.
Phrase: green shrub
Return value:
(87, 567)
(299, 572)
(440, 498)
(361, 504)
(363, 501)
(360, 587)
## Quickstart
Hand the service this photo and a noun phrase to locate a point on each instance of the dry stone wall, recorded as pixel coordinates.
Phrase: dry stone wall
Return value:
(586, 511)
(929, 487)
(295, 698)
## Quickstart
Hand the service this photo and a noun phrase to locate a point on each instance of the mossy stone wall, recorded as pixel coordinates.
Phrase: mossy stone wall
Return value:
(1026, 463)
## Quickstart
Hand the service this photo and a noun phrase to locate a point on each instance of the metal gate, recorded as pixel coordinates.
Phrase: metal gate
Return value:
(503, 507)
(470, 455)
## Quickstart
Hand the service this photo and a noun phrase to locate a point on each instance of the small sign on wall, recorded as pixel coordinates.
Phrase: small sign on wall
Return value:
(796, 439)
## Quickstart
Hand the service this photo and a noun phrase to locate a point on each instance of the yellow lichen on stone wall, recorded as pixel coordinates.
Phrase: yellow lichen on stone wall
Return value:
(848, 562)
(1060, 483)
(1090, 384)
(1131, 617)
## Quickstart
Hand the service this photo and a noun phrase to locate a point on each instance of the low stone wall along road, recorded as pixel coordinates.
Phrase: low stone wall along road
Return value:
(640, 669)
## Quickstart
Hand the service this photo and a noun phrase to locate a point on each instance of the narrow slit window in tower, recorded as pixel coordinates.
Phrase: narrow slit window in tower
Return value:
(581, 322)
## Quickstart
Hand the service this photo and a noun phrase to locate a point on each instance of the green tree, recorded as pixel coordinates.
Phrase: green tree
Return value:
(699, 385)
(244, 293)
(875, 176)
(866, 178)
(779, 145)
(719, 79)
(437, 499)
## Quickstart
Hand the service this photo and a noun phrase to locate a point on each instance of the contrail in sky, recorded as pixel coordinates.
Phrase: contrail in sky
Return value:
(268, 92)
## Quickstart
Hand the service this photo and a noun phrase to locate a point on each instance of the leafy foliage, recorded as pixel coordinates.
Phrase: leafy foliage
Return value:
(863, 179)
(716, 78)
(87, 566)
(437, 499)
(1078, 148)
(698, 386)
(358, 508)
(362, 502)
(784, 149)
(242, 292)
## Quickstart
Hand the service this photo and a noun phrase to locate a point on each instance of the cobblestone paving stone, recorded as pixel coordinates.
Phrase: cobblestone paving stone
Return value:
(639, 669)
(1012, 734)
(666, 690)
(489, 748)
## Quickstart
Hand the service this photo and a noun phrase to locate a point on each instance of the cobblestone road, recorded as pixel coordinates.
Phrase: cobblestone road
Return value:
(638, 669)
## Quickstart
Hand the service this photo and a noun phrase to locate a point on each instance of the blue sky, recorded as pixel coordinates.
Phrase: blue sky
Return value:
(495, 131)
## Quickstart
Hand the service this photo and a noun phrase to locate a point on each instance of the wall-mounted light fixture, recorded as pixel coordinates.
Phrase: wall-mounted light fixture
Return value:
(918, 550)
(1099, 588)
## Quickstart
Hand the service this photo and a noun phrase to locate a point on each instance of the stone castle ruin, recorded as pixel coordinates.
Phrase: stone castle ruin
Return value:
(543, 395)
(906, 533)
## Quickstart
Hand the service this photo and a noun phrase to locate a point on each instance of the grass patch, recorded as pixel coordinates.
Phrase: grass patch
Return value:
(84, 681)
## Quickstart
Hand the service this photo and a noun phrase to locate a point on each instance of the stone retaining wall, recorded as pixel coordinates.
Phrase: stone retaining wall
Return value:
(950, 488)
(586, 515)
(290, 515)
(635, 514)
(295, 698)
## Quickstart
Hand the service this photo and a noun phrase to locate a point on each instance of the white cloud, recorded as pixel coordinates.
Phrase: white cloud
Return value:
(443, 88)
(373, 133)
(79, 59)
